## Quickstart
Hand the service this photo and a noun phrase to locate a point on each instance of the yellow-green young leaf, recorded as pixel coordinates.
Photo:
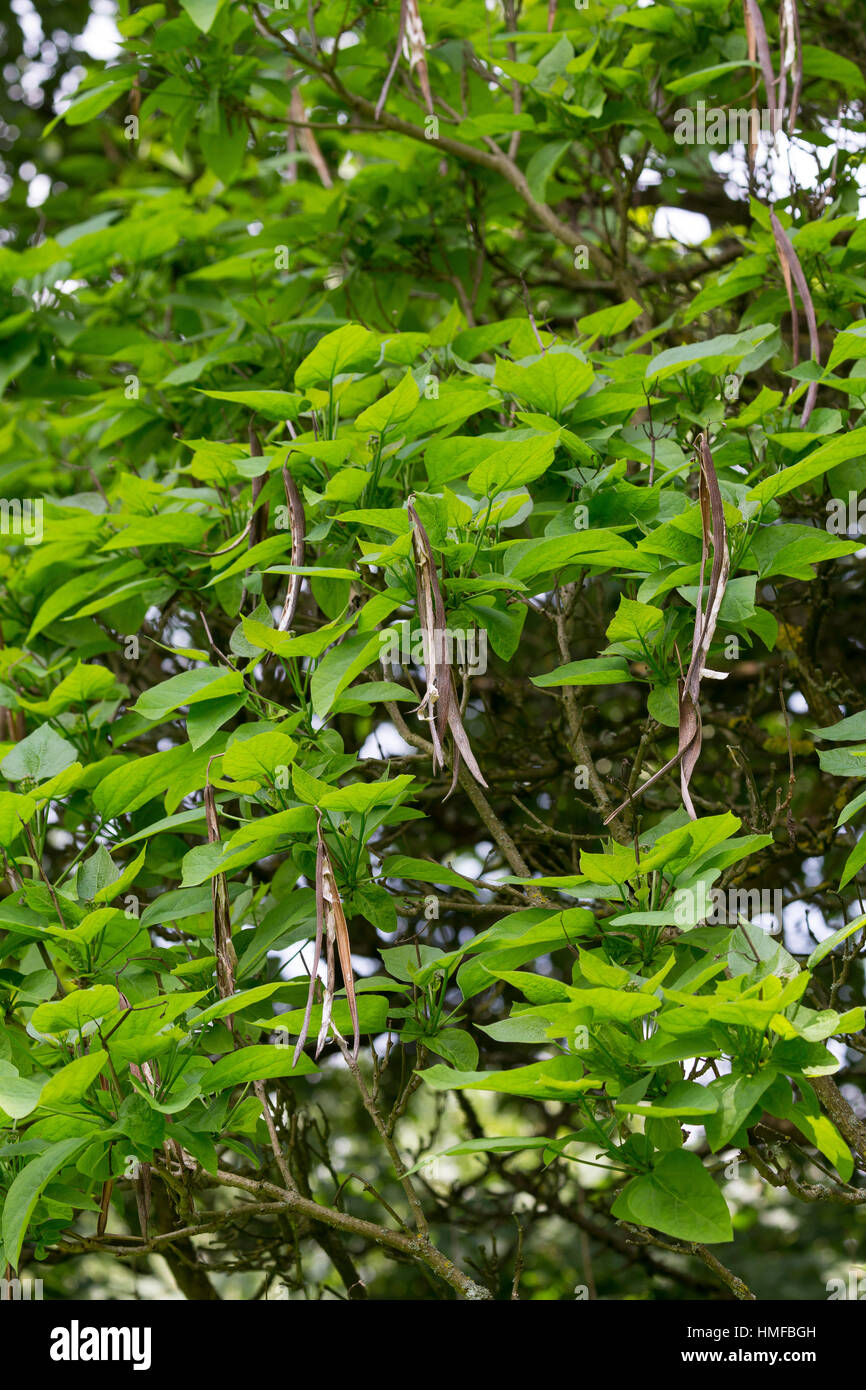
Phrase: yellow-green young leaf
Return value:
(83, 684)
(284, 644)
(273, 405)
(598, 971)
(333, 354)
(392, 409)
(61, 785)
(258, 758)
(538, 1079)
(363, 796)
(538, 989)
(15, 812)
(826, 1138)
(202, 12)
(550, 383)
(71, 1082)
(604, 1003)
(513, 464)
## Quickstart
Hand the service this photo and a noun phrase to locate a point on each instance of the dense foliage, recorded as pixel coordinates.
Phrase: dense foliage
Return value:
(414, 556)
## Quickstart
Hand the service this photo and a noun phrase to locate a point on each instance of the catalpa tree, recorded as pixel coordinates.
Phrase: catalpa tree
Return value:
(432, 653)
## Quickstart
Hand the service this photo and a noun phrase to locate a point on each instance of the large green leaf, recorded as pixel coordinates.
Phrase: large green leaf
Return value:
(679, 1198)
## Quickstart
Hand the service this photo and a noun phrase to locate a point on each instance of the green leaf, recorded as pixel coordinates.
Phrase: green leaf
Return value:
(455, 1045)
(234, 1003)
(678, 1198)
(18, 1094)
(263, 1062)
(27, 1188)
(224, 148)
(836, 451)
(392, 409)
(41, 754)
(737, 1096)
(258, 758)
(718, 352)
(188, 688)
(91, 104)
(143, 1124)
(831, 942)
(634, 621)
(113, 889)
(423, 871)
(685, 1098)
(512, 465)
(702, 79)
(333, 353)
(202, 13)
(273, 405)
(73, 1081)
(339, 667)
(78, 1007)
(501, 1144)
(15, 812)
(603, 670)
(548, 1080)
(549, 383)
(542, 165)
(372, 1016)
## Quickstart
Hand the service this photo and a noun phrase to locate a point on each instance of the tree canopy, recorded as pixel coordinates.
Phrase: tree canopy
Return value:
(431, 661)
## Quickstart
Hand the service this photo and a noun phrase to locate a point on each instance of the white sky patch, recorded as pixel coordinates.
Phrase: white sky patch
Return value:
(678, 224)
(385, 742)
(40, 187)
(792, 163)
(101, 38)
(802, 930)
